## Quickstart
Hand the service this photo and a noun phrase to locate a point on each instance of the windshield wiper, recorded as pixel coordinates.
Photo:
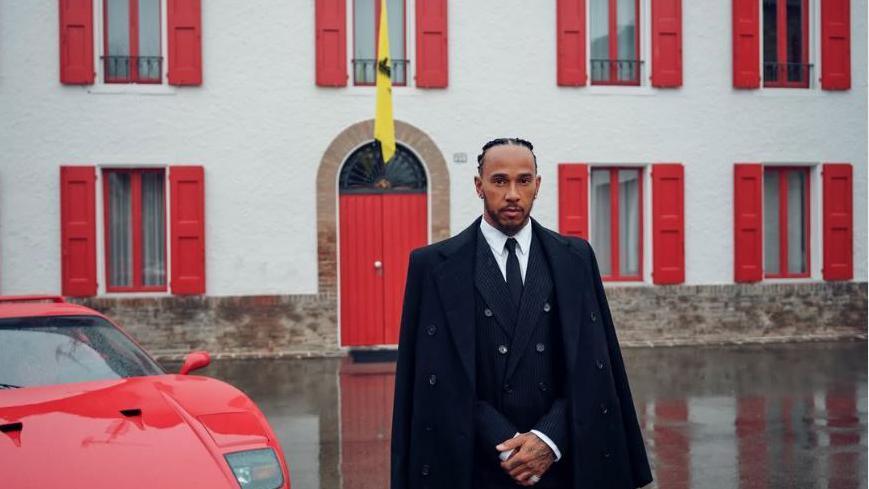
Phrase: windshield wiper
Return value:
(9, 386)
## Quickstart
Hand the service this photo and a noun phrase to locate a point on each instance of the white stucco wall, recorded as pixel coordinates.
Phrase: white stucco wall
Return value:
(260, 126)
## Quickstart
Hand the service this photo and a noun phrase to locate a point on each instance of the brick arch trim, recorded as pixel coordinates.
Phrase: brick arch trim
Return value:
(327, 190)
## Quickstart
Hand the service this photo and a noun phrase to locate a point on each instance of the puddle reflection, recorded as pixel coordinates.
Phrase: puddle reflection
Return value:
(770, 417)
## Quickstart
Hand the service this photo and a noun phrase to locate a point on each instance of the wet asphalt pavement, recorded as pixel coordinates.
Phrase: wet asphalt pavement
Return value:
(761, 416)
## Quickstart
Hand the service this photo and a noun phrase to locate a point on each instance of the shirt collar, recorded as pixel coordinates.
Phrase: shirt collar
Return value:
(497, 239)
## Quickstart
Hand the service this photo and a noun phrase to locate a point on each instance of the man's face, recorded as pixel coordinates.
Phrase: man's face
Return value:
(508, 186)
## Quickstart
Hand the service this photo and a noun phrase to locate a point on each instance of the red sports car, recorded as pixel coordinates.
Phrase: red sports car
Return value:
(82, 405)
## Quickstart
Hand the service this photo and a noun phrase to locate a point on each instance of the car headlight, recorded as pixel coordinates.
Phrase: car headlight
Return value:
(256, 469)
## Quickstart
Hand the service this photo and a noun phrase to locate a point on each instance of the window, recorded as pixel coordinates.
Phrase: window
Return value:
(616, 222)
(131, 37)
(135, 230)
(786, 222)
(366, 15)
(785, 43)
(615, 42)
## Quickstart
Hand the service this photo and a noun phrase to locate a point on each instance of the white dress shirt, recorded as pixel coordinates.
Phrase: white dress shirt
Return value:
(496, 240)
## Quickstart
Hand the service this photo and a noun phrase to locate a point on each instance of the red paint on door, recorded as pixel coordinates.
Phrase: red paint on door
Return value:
(378, 232)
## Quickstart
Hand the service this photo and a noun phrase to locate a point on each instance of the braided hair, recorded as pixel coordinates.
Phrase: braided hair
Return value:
(502, 142)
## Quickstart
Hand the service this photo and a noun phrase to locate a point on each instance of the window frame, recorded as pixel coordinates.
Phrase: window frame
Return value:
(781, 47)
(783, 172)
(136, 226)
(377, 44)
(612, 36)
(616, 275)
(133, 30)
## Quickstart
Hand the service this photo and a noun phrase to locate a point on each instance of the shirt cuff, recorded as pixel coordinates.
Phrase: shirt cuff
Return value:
(549, 442)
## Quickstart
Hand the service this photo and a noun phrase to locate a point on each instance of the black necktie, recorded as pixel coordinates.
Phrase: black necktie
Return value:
(514, 275)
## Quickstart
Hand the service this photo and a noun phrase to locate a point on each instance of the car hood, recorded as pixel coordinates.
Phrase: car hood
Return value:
(161, 431)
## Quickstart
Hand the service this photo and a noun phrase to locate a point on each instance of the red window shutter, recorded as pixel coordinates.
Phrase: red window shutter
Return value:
(666, 43)
(668, 223)
(187, 196)
(748, 222)
(185, 42)
(573, 199)
(838, 219)
(331, 28)
(746, 44)
(835, 45)
(431, 44)
(78, 231)
(571, 43)
(76, 42)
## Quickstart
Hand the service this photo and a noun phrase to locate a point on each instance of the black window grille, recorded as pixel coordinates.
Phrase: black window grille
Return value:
(133, 69)
(364, 172)
(365, 71)
(616, 71)
(793, 75)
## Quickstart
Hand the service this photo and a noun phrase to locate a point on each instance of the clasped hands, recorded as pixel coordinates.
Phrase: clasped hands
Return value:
(529, 460)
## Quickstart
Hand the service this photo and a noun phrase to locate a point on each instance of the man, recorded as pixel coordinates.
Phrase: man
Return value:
(509, 371)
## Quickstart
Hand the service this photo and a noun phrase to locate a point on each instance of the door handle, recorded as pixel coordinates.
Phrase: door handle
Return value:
(378, 264)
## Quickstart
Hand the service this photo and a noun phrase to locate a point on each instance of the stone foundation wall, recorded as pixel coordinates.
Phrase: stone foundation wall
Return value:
(255, 326)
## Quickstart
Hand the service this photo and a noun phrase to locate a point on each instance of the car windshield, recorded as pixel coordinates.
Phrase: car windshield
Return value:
(62, 349)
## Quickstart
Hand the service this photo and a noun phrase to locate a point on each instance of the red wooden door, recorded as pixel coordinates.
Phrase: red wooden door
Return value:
(378, 232)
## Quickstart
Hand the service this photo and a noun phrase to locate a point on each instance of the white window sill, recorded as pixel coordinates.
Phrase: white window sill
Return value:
(801, 280)
(621, 90)
(133, 295)
(130, 89)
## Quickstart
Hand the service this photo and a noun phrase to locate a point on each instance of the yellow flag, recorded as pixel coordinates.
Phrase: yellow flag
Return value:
(384, 125)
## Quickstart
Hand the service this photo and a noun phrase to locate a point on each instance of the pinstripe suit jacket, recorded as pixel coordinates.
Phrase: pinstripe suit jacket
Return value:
(434, 422)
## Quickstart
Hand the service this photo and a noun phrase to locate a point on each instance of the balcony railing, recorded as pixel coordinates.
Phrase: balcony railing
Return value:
(616, 71)
(787, 75)
(133, 69)
(365, 71)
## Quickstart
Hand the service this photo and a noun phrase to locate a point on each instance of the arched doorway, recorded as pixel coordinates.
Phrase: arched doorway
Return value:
(383, 215)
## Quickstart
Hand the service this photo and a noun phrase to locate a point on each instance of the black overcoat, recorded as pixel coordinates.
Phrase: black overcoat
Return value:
(432, 424)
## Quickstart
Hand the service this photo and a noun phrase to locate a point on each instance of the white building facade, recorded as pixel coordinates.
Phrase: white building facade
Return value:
(216, 134)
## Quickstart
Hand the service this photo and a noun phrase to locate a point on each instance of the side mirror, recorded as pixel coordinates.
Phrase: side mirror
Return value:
(195, 361)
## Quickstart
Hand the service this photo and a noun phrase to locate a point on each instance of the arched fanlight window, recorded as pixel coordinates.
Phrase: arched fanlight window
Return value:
(364, 172)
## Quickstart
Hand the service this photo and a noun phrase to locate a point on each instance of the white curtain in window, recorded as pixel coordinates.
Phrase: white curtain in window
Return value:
(120, 231)
(629, 222)
(771, 221)
(599, 32)
(149, 39)
(153, 229)
(118, 36)
(796, 222)
(627, 37)
(601, 219)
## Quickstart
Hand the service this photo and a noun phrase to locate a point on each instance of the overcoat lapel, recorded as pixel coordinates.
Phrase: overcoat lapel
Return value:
(537, 289)
(456, 289)
(567, 272)
(492, 287)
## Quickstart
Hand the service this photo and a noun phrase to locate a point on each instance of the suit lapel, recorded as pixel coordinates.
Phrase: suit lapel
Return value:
(457, 294)
(567, 272)
(492, 287)
(537, 289)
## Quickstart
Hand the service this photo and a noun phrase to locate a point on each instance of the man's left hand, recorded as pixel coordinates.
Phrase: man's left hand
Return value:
(531, 457)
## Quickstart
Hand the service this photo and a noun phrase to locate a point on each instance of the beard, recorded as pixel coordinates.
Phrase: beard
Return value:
(507, 225)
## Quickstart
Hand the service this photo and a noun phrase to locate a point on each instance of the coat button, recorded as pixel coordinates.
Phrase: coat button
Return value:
(428, 428)
(432, 330)
(606, 454)
(543, 387)
(599, 365)
(546, 307)
(593, 316)
(507, 388)
(426, 470)
(487, 312)
(540, 347)
(432, 379)
(503, 349)
(604, 409)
